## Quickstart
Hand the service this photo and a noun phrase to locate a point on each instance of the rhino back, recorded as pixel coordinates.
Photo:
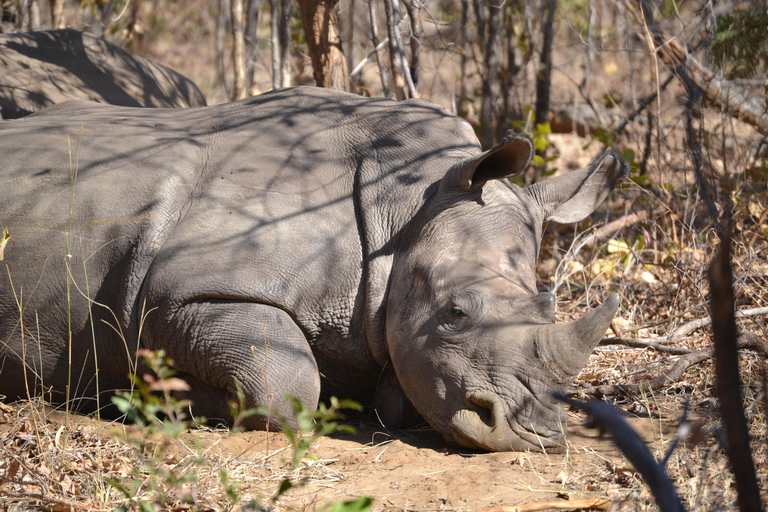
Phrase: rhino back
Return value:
(39, 69)
(291, 199)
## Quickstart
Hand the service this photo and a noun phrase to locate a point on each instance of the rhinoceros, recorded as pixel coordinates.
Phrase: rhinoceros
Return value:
(304, 242)
(39, 69)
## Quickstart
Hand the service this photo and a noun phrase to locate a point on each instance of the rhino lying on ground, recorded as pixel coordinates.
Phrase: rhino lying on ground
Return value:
(297, 242)
(39, 69)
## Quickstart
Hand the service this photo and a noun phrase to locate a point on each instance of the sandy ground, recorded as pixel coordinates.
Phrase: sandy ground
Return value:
(416, 471)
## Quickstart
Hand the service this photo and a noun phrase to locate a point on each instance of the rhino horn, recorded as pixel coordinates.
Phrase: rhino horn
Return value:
(568, 345)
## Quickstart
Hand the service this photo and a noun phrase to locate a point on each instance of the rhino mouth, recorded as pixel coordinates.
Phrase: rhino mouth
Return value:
(485, 425)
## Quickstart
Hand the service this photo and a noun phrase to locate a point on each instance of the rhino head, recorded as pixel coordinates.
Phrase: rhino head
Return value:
(475, 348)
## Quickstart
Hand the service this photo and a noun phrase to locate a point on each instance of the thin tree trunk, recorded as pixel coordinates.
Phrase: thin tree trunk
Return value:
(284, 36)
(461, 104)
(490, 74)
(251, 43)
(543, 80)
(34, 15)
(239, 90)
(57, 14)
(375, 41)
(414, 12)
(321, 27)
(395, 64)
(349, 30)
(274, 41)
(401, 49)
(400, 70)
(221, 46)
(508, 75)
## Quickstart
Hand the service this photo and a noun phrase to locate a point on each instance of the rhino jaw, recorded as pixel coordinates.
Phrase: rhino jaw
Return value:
(571, 343)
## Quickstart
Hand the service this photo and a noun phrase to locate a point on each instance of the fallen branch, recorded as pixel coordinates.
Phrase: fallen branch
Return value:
(662, 381)
(612, 227)
(71, 505)
(687, 328)
(589, 503)
(664, 349)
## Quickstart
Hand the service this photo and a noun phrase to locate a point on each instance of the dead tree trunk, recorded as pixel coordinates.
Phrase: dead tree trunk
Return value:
(321, 27)
(490, 73)
(349, 30)
(57, 14)
(413, 8)
(543, 79)
(239, 90)
(375, 40)
(221, 37)
(401, 74)
(284, 39)
(251, 43)
(461, 103)
(274, 42)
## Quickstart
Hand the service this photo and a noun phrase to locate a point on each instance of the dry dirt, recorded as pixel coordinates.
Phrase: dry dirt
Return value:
(417, 471)
(407, 470)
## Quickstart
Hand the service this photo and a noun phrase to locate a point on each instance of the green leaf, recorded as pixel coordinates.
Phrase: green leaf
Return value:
(538, 160)
(284, 486)
(628, 155)
(543, 128)
(362, 504)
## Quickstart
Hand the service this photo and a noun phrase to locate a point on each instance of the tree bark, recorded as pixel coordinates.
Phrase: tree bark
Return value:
(321, 28)
(284, 38)
(395, 57)
(413, 8)
(239, 89)
(349, 30)
(221, 38)
(57, 14)
(274, 42)
(375, 41)
(543, 80)
(461, 103)
(251, 43)
(490, 73)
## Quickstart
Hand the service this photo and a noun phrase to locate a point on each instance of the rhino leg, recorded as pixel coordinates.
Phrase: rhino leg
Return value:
(216, 343)
(393, 408)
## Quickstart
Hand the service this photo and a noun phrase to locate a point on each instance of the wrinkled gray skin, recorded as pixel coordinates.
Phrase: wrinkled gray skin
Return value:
(39, 69)
(297, 242)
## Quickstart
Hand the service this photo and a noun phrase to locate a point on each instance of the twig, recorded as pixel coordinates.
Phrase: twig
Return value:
(365, 59)
(588, 503)
(72, 505)
(608, 418)
(664, 349)
(687, 328)
(663, 380)
(612, 227)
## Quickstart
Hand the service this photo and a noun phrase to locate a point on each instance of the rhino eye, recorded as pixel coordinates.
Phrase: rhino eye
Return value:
(459, 311)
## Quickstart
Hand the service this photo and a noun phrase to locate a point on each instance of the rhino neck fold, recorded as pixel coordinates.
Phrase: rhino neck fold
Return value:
(385, 223)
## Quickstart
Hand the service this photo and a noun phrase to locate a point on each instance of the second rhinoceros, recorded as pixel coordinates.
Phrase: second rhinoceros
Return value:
(304, 242)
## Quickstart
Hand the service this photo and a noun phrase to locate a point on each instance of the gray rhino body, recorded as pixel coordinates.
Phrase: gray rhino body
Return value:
(39, 69)
(298, 242)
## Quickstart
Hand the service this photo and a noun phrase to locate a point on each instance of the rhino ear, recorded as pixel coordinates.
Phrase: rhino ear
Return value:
(506, 159)
(574, 196)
